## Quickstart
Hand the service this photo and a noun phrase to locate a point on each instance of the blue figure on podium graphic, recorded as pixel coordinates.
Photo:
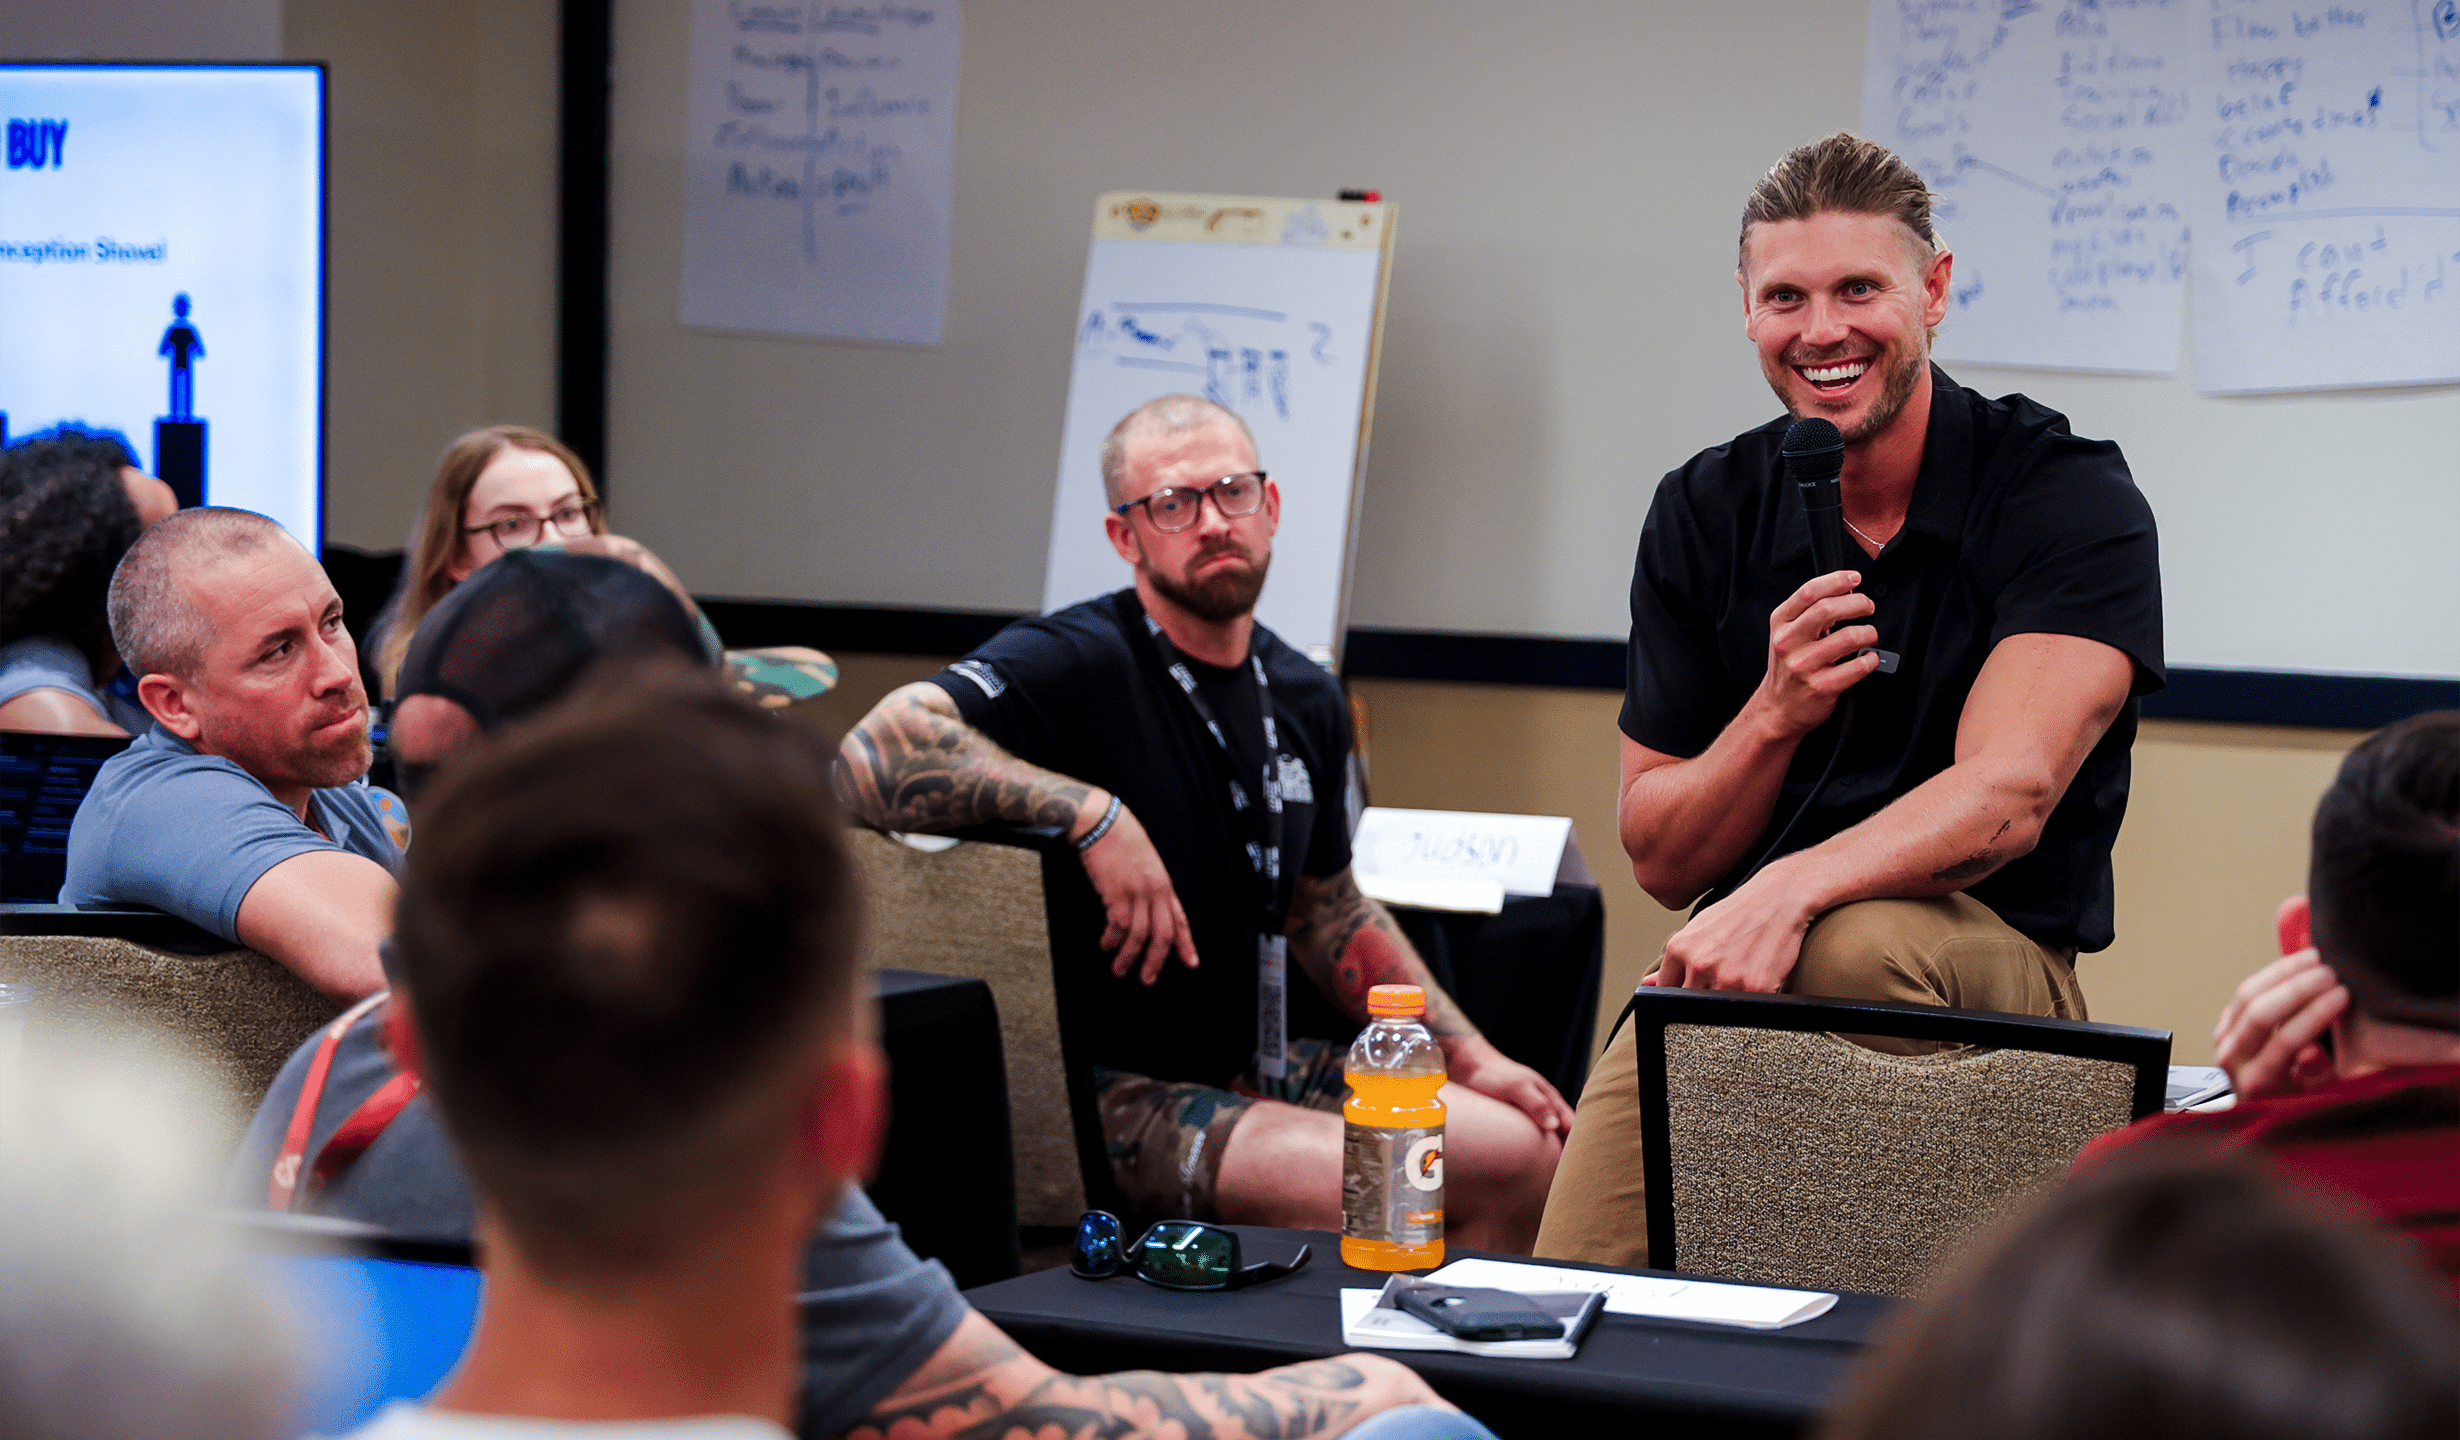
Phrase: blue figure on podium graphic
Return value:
(179, 437)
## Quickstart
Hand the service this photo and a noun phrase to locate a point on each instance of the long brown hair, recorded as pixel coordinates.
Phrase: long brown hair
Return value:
(436, 534)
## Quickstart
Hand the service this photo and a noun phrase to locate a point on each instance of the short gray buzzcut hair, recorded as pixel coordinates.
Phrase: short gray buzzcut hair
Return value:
(155, 623)
(1169, 415)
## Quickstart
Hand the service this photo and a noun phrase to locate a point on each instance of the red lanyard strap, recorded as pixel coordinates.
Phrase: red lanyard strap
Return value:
(283, 1191)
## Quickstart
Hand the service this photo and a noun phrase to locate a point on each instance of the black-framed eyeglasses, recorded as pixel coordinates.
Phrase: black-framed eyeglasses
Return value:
(515, 532)
(1174, 1254)
(1174, 508)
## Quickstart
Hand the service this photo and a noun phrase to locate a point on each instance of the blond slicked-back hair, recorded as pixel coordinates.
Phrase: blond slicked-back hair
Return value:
(1842, 172)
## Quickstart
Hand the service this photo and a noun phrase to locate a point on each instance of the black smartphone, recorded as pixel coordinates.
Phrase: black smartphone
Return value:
(1475, 1314)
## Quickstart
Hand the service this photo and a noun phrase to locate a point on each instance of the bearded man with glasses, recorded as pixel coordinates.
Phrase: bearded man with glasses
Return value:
(1198, 763)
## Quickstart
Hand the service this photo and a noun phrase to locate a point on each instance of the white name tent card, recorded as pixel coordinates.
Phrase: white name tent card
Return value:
(1657, 1297)
(1462, 859)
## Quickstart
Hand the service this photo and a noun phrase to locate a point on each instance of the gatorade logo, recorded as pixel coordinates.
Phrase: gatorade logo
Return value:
(1424, 1164)
(37, 144)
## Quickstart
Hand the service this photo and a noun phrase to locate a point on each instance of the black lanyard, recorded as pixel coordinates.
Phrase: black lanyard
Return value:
(1263, 820)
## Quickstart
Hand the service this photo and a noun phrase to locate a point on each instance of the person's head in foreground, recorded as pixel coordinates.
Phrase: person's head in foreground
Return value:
(630, 939)
(1191, 506)
(496, 490)
(71, 503)
(1843, 277)
(236, 639)
(2175, 1297)
(514, 638)
(126, 1307)
(2383, 886)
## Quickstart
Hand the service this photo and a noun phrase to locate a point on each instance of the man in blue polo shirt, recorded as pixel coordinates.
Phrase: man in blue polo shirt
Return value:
(245, 809)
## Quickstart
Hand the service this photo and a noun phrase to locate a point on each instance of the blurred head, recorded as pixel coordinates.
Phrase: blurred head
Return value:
(1214, 568)
(72, 501)
(2176, 1296)
(502, 474)
(630, 936)
(236, 639)
(1842, 278)
(2383, 873)
(514, 638)
(126, 1308)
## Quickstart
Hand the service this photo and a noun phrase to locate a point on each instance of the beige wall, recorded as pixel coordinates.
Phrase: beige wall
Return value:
(2215, 833)
(442, 231)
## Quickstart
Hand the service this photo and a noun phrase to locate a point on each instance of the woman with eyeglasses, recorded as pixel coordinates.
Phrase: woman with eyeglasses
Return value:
(506, 487)
(510, 487)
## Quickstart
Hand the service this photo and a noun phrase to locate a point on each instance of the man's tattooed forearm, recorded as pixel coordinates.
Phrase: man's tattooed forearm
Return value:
(909, 767)
(1288, 1404)
(1348, 945)
(1978, 864)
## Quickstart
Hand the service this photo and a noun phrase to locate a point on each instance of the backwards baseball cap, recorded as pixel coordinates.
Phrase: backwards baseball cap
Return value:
(521, 631)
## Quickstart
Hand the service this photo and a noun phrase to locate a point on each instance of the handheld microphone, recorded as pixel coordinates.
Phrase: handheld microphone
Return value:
(1814, 455)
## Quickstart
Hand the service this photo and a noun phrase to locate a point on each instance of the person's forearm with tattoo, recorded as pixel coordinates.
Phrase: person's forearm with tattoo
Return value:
(914, 765)
(1348, 944)
(981, 1385)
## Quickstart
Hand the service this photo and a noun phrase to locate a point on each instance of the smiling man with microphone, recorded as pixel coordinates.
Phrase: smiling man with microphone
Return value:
(1896, 774)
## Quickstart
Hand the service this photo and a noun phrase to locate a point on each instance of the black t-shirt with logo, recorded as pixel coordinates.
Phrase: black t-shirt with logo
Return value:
(1084, 692)
(2016, 526)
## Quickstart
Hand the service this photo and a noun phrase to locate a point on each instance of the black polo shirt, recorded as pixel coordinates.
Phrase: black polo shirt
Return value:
(2016, 527)
(1084, 692)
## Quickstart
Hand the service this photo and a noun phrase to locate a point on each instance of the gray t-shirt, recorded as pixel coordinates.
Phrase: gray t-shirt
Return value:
(47, 662)
(872, 1310)
(189, 833)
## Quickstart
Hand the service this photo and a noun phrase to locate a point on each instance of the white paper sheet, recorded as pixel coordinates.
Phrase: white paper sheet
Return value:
(2327, 203)
(1521, 854)
(819, 156)
(1756, 1307)
(2056, 137)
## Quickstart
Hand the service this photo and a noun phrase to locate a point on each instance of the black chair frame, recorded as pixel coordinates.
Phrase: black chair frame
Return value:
(1651, 1009)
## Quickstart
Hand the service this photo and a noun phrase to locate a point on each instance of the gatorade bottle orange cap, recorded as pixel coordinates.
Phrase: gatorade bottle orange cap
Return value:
(1396, 1000)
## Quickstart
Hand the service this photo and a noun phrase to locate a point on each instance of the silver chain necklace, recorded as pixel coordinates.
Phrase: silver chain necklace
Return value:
(1875, 545)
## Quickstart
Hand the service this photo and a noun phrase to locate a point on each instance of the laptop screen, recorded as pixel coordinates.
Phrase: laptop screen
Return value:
(42, 780)
(370, 1331)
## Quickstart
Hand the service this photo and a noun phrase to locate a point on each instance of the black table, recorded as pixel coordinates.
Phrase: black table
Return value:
(947, 1168)
(1681, 1378)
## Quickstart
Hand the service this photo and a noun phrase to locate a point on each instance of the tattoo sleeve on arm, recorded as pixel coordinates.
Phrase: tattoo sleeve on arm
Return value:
(988, 1389)
(1348, 944)
(911, 766)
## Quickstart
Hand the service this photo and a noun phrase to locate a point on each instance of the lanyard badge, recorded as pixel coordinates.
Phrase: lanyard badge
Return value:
(1261, 814)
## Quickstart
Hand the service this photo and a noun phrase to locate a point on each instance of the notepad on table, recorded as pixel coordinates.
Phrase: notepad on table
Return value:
(1656, 1297)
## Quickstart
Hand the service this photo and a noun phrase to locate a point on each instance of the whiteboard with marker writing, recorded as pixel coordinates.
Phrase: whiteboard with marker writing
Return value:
(1270, 307)
(2297, 164)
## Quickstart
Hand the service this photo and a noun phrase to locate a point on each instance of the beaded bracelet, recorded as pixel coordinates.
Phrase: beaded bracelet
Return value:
(1100, 828)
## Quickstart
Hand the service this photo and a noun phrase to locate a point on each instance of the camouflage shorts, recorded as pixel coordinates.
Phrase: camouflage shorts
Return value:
(1165, 1137)
(779, 675)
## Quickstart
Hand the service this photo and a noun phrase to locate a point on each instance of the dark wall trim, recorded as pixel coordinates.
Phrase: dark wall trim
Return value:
(2255, 697)
(583, 132)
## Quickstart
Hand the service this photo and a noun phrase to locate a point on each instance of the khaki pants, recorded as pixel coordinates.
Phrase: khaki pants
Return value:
(1950, 950)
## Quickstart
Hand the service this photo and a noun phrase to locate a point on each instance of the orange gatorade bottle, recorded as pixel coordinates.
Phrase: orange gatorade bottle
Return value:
(1392, 1165)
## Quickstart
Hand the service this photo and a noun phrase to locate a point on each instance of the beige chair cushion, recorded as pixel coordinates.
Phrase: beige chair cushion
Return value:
(237, 1012)
(976, 910)
(1801, 1159)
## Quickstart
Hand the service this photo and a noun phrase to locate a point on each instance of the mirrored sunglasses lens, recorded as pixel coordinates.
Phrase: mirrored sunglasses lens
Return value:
(1185, 1255)
(1098, 1244)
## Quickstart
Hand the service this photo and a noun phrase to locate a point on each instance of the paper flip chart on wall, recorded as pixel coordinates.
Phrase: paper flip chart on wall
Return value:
(819, 157)
(2057, 138)
(2327, 208)
(1269, 307)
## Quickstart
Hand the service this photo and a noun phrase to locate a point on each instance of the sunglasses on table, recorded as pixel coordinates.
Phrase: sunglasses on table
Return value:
(1174, 1254)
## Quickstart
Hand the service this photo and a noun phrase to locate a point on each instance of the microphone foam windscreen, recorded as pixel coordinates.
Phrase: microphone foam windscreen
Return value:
(1814, 449)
